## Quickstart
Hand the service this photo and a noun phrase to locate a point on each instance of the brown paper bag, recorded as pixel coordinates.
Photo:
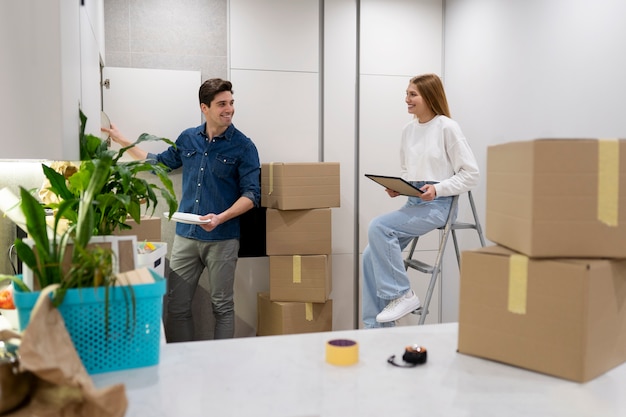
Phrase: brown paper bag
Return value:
(62, 386)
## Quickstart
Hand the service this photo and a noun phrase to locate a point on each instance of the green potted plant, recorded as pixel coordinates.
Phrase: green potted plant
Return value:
(96, 200)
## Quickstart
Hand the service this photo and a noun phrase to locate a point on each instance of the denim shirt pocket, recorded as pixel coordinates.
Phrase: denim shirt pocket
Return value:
(224, 166)
(188, 153)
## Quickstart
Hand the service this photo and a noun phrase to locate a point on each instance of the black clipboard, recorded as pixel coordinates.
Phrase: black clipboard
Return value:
(397, 184)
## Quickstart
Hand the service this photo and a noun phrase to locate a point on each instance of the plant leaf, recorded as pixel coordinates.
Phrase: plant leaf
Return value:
(16, 281)
(57, 183)
(35, 220)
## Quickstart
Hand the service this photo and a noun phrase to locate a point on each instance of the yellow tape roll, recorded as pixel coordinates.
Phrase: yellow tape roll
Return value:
(342, 352)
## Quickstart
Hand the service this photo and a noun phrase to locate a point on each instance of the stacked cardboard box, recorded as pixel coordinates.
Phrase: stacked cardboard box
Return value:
(550, 295)
(299, 198)
(149, 229)
(148, 233)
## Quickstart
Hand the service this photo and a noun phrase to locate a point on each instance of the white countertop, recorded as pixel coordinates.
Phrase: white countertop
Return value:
(287, 376)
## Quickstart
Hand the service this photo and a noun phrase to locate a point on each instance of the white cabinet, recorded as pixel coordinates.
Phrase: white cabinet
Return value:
(44, 66)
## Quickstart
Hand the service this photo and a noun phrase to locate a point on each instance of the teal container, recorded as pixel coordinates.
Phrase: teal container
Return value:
(130, 341)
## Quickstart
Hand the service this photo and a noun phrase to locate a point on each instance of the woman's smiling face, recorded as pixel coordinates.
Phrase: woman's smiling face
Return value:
(416, 104)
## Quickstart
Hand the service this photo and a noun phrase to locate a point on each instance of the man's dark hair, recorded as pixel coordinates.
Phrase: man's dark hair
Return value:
(211, 87)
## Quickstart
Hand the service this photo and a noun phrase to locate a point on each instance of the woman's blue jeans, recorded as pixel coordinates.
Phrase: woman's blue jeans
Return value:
(384, 275)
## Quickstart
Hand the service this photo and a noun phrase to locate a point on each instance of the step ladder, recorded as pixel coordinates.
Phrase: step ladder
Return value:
(434, 270)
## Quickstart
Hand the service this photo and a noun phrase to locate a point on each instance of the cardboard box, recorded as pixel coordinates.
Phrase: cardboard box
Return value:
(124, 255)
(299, 232)
(155, 259)
(296, 186)
(552, 198)
(563, 317)
(149, 229)
(278, 317)
(305, 278)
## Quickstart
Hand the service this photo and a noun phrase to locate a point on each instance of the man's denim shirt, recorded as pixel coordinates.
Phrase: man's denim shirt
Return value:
(216, 173)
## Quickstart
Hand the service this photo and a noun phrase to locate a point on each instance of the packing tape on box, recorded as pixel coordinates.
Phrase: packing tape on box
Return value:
(608, 181)
(308, 311)
(518, 283)
(296, 267)
(271, 179)
(342, 352)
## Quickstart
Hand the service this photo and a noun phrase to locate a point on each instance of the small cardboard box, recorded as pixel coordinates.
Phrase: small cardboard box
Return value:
(300, 278)
(124, 250)
(299, 232)
(149, 229)
(563, 317)
(558, 197)
(279, 317)
(296, 186)
(153, 259)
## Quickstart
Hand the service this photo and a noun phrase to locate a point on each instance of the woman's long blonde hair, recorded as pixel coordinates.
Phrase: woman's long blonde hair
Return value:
(431, 89)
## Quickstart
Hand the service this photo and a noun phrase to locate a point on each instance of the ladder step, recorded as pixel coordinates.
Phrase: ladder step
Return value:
(448, 228)
(419, 265)
(464, 226)
(418, 311)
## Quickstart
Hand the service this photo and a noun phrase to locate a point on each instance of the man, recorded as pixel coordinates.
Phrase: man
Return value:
(221, 172)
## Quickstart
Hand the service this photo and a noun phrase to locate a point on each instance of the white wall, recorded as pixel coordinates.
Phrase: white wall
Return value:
(537, 68)
(339, 141)
(40, 79)
(512, 70)
(274, 67)
(398, 40)
(532, 69)
(287, 62)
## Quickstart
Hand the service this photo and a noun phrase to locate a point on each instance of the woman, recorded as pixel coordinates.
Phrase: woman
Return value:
(436, 157)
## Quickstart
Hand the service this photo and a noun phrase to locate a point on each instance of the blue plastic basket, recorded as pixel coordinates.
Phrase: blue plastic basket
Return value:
(131, 341)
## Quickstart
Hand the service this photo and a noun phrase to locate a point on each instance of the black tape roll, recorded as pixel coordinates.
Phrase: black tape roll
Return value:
(413, 355)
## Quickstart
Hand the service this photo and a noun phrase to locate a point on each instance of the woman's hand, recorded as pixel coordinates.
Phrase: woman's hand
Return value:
(429, 192)
(392, 193)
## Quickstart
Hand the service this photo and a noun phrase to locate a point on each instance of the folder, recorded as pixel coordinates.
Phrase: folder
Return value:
(397, 184)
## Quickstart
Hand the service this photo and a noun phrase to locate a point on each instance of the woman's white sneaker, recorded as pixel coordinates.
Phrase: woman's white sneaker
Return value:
(399, 307)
